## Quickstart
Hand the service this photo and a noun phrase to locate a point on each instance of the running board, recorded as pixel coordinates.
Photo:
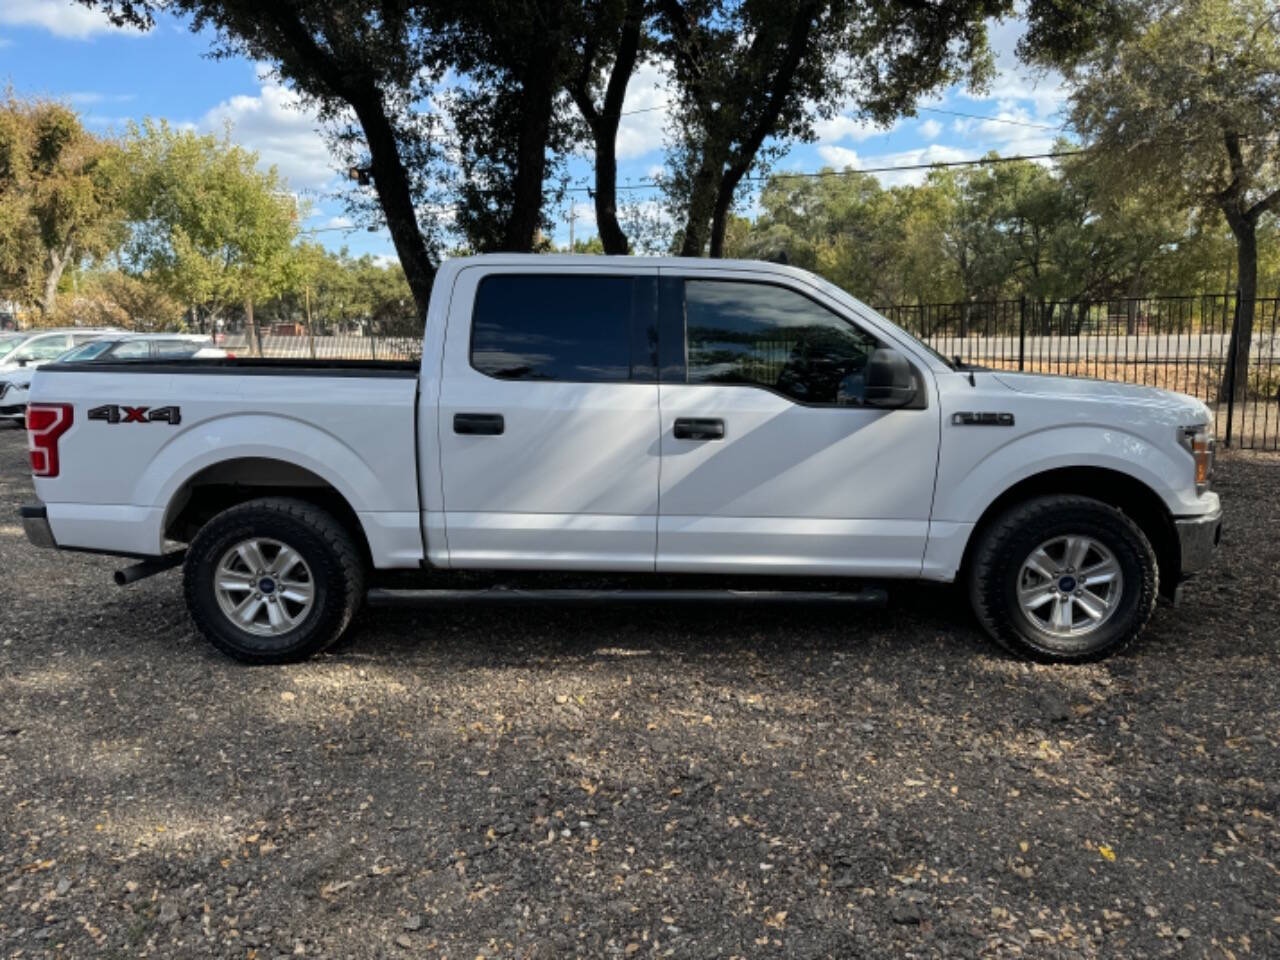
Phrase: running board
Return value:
(865, 596)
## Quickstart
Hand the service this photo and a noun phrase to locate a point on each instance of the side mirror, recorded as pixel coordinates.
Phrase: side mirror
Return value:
(890, 380)
(23, 361)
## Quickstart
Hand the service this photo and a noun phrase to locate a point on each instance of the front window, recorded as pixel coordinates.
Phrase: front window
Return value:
(9, 344)
(770, 336)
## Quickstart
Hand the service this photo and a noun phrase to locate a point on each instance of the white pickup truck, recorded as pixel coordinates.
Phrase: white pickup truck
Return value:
(649, 417)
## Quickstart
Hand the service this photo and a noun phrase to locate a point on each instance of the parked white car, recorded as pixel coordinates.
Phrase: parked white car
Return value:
(634, 416)
(15, 383)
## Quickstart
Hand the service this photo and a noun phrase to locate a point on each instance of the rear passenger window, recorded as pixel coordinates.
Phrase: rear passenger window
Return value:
(549, 327)
(175, 349)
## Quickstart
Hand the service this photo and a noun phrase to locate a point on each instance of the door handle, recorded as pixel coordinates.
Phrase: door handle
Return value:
(699, 428)
(478, 424)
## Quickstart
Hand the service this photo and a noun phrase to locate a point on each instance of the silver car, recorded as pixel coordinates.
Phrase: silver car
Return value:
(92, 347)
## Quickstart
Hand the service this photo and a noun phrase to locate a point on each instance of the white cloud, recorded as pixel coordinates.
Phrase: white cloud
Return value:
(841, 127)
(338, 223)
(929, 129)
(644, 112)
(281, 130)
(842, 157)
(60, 17)
(838, 157)
(1046, 90)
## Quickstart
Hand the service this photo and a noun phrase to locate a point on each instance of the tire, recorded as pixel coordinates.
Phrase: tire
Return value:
(309, 601)
(1066, 618)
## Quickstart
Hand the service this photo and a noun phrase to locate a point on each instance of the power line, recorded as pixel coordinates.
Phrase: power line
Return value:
(764, 178)
(977, 116)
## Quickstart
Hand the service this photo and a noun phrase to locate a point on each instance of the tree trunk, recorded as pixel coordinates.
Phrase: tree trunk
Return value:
(604, 124)
(58, 260)
(311, 333)
(255, 338)
(391, 181)
(1237, 369)
(702, 202)
(537, 103)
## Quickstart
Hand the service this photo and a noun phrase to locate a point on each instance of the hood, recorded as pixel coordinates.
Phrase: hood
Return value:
(17, 375)
(1188, 408)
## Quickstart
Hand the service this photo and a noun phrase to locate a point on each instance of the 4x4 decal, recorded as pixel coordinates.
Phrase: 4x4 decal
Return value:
(119, 413)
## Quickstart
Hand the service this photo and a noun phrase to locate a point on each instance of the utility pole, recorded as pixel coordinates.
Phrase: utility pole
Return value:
(573, 215)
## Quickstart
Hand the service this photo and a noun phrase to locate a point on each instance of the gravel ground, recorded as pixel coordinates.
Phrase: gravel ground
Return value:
(637, 781)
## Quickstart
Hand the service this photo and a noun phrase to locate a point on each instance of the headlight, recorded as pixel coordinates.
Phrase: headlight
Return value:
(1198, 440)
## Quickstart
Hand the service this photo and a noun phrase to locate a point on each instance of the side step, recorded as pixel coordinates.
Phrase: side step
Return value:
(864, 596)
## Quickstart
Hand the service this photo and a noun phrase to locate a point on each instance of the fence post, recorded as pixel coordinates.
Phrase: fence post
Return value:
(1232, 350)
(1022, 331)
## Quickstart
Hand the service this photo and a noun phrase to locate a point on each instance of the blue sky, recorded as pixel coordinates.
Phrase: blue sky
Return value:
(56, 48)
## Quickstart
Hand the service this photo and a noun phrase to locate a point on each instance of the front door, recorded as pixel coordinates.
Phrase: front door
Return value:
(770, 461)
(548, 421)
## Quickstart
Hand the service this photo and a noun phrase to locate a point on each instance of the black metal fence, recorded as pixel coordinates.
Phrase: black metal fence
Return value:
(1178, 343)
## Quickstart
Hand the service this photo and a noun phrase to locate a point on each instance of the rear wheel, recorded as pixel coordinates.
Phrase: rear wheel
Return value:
(273, 580)
(1063, 579)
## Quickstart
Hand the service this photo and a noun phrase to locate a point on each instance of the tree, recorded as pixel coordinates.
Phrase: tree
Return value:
(59, 199)
(753, 75)
(206, 222)
(113, 298)
(1188, 101)
(362, 59)
(613, 35)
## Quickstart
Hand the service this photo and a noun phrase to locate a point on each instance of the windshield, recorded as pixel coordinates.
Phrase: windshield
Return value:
(86, 351)
(7, 343)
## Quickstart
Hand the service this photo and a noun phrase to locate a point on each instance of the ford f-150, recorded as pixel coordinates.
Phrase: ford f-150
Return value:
(657, 418)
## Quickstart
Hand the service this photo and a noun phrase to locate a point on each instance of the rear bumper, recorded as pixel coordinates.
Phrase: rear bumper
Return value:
(1198, 538)
(35, 524)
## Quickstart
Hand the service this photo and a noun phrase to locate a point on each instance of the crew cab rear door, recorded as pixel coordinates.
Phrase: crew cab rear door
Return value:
(548, 419)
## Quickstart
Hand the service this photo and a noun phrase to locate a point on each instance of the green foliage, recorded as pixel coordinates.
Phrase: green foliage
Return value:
(343, 293)
(207, 224)
(112, 298)
(59, 199)
(1187, 103)
(996, 231)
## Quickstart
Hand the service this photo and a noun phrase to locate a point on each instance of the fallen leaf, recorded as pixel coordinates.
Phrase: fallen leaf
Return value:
(1107, 853)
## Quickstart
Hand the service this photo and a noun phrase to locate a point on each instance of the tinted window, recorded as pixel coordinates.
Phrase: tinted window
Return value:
(86, 352)
(177, 349)
(755, 333)
(547, 327)
(130, 350)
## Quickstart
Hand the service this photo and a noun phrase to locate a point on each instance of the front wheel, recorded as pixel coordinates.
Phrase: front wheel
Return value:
(273, 580)
(1063, 579)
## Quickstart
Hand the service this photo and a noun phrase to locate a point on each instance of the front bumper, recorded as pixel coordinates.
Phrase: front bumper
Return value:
(1198, 537)
(35, 523)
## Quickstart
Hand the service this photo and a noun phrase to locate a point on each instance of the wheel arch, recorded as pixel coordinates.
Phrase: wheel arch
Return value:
(1115, 488)
(227, 483)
